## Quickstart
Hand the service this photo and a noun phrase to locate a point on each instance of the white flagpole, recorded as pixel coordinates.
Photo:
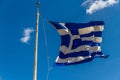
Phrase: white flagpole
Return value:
(36, 43)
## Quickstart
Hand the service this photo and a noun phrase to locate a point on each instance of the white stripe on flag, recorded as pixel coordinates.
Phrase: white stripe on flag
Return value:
(71, 59)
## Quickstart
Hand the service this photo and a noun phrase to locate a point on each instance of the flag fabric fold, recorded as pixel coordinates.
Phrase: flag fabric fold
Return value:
(80, 42)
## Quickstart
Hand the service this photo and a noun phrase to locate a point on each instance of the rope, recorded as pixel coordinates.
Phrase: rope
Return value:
(46, 46)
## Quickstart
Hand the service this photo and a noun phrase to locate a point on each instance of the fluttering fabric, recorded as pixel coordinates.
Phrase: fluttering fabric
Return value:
(80, 42)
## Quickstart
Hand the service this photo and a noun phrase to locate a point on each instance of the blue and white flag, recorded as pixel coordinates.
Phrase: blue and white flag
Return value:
(80, 42)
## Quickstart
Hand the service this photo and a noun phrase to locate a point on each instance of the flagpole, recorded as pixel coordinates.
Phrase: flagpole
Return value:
(36, 43)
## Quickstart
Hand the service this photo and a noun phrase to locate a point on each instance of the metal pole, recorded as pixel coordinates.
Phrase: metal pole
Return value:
(36, 43)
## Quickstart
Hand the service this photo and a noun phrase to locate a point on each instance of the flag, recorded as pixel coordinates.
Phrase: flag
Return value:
(80, 42)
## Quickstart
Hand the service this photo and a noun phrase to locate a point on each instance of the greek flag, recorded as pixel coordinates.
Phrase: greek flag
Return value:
(80, 42)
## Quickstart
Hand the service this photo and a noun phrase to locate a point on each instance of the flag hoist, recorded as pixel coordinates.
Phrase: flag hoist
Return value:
(36, 43)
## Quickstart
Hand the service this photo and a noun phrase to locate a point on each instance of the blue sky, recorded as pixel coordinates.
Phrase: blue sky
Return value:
(16, 57)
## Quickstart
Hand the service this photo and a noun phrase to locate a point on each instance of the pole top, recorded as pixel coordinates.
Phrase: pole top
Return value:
(38, 4)
(38, 7)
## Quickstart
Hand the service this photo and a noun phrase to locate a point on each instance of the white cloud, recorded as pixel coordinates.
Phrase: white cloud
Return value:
(26, 35)
(94, 5)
